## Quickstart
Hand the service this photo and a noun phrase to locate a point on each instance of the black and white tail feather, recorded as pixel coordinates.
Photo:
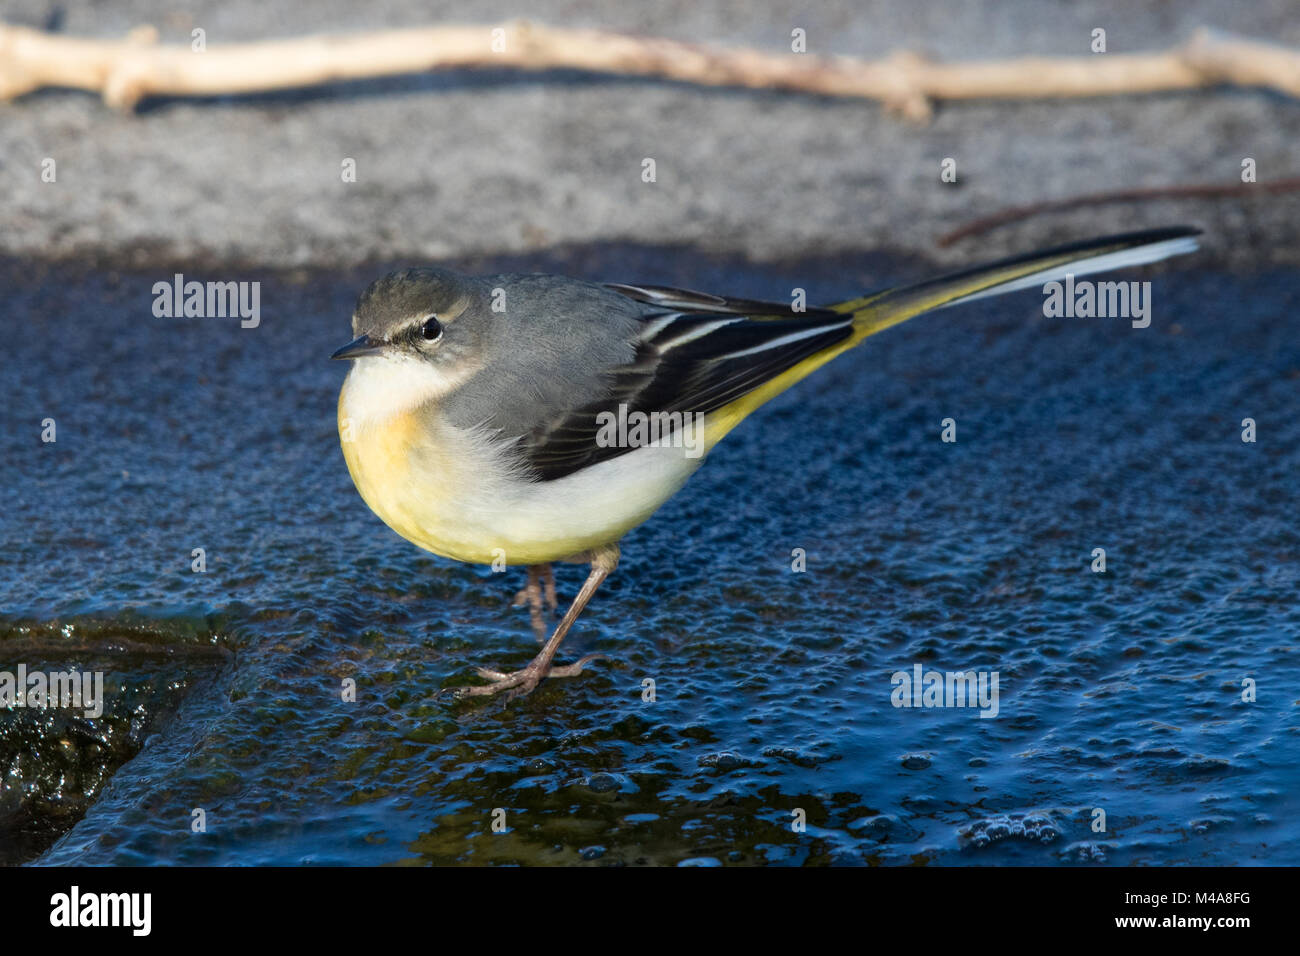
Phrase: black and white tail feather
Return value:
(698, 352)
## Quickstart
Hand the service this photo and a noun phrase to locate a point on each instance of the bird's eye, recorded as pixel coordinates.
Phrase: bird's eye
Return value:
(432, 329)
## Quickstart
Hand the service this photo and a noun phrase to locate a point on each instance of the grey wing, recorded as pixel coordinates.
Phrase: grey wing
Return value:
(687, 362)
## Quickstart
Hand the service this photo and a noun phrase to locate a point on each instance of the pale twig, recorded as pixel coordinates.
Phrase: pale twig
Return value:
(125, 71)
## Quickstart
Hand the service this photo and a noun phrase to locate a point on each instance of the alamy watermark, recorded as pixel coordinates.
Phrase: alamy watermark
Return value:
(637, 429)
(208, 300)
(1086, 299)
(922, 688)
(75, 908)
(77, 690)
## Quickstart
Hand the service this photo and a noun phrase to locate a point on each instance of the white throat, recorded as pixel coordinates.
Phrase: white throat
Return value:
(379, 387)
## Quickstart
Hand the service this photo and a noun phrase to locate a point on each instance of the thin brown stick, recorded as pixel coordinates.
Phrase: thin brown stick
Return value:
(125, 71)
(1198, 191)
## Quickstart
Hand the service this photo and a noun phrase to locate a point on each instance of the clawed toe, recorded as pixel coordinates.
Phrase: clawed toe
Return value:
(521, 682)
(574, 669)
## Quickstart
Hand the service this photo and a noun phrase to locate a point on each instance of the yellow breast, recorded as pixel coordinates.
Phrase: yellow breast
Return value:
(376, 455)
(450, 491)
(389, 461)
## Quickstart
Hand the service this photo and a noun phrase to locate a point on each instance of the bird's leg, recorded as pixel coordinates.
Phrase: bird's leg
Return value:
(548, 581)
(532, 595)
(603, 561)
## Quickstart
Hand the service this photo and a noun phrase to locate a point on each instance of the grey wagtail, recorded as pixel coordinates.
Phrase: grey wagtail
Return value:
(503, 419)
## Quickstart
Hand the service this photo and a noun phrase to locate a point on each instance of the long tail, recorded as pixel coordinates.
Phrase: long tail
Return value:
(875, 313)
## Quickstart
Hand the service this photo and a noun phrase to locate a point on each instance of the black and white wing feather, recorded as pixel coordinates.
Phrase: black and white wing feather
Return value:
(694, 353)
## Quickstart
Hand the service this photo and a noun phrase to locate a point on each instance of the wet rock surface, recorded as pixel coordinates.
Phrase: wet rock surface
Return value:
(1120, 691)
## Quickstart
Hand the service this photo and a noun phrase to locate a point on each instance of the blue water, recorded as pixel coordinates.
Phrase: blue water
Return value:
(1119, 692)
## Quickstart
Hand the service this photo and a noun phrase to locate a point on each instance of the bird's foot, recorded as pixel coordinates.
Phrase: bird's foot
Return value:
(524, 681)
(603, 561)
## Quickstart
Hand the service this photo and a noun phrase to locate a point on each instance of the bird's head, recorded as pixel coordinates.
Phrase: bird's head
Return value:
(423, 331)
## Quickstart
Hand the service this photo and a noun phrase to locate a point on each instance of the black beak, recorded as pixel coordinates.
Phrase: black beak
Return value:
(358, 347)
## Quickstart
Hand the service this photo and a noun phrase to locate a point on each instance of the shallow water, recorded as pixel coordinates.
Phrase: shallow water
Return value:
(1119, 691)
